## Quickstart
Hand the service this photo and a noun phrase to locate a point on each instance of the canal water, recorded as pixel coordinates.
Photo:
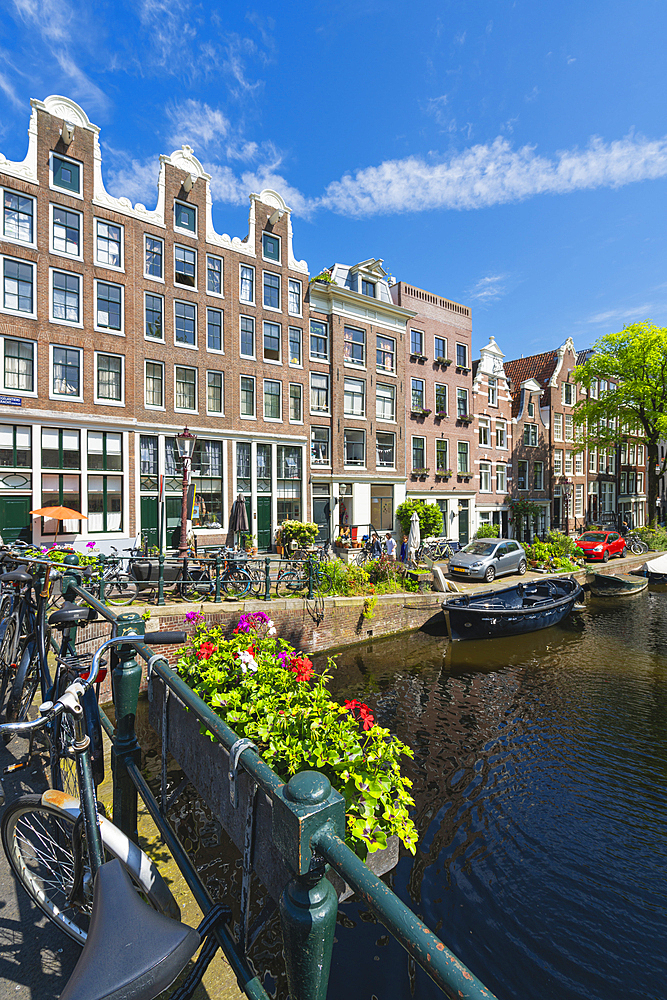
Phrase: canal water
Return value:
(540, 776)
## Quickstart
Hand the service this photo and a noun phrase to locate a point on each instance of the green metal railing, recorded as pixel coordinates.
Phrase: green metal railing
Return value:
(308, 829)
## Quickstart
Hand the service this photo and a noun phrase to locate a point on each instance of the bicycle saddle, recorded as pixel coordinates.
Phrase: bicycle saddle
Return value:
(131, 952)
(16, 576)
(72, 614)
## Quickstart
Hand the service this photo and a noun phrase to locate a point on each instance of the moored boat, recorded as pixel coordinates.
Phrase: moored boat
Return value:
(622, 585)
(654, 569)
(525, 607)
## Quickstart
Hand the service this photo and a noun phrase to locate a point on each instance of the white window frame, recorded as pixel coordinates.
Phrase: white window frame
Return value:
(179, 343)
(415, 354)
(558, 426)
(291, 363)
(154, 340)
(445, 342)
(251, 267)
(579, 464)
(492, 390)
(460, 388)
(326, 412)
(385, 420)
(180, 284)
(271, 361)
(568, 429)
(17, 312)
(423, 394)
(12, 239)
(362, 383)
(501, 478)
(63, 253)
(533, 436)
(279, 307)
(104, 329)
(272, 420)
(52, 318)
(441, 385)
(317, 357)
(152, 406)
(385, 372)
(294, 281)
(360, 366)
(96, 398)
(152, 277)
(62, 190)
(355, 430)
(467, 454)
(221, 349)
(574, 393)
(484, 424)
(221, 293)
(19, 392)
(485, 472)
(271, 260)
(392, 434)
(180, 409)
(300, 385)
(54, 395)
(253, 415)
(526, 487)
(179, 229)
(501, 425)
(221, 411)
(569, 463)
(253, 356)
(440, 470)
(535, 468)
(109, 222)
(320, 465)
(465, 348)
(558, 462)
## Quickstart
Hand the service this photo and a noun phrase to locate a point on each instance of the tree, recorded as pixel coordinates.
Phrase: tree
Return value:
(430, 517)
(635, 408)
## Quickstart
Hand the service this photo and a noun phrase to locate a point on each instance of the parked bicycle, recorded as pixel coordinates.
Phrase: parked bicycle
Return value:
(636, 544)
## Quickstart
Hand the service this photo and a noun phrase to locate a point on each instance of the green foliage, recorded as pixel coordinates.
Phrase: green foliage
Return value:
(269, 694)
(303, 533)
(430, 517)
(559, 552)
(522, 508)
(324, 275)
(369, 607)
(563, 545)
(488, 531)
(655, 538)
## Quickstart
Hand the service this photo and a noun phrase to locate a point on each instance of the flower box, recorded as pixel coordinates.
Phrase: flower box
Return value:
(467, 419)
(206, 764)
(440, 414)
(462, 369)
(445, 362)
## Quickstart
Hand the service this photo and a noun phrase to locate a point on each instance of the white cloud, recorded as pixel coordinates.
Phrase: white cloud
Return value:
(636, 314)
(494, 174)
(229, 187)
(487, 289)
(196, 123)
(125, 177)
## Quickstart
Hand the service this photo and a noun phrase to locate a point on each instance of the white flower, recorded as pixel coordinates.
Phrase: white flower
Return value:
(273, 630)
(247, 661)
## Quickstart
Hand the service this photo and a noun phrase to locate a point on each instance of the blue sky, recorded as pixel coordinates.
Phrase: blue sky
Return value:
(508, 155)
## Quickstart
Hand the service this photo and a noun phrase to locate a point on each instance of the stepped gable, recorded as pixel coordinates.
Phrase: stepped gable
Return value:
(538, 366)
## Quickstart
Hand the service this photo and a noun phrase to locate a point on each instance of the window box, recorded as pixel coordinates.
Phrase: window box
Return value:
(463, 476)
(444, 362)
(421, 358)
(440, 414)
(420, 414)
(462, 369)
(420, 473)
(443, 474)
(465, 418)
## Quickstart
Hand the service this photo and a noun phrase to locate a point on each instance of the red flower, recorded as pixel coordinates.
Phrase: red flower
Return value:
(365, 714)
(302, 667)
(206, 651)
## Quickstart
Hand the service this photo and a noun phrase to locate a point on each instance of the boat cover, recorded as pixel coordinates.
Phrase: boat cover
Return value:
(658, 565)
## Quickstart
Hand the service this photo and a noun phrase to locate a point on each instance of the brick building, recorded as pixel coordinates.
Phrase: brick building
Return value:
(494, 438)
(438, 415)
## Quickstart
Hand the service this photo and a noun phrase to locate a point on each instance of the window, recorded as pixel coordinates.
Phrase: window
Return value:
(105, 451)
(271, 291)
(484, 477)
(65, 174)
(108, 244)
(592, 460)
(65, 231)
(522, 478)
(18, 215)
(19, 365)
(640, 482)
(418, 453)
(463, 451)
(247, 396)
(105, 503)
(243, 455)
(15, 447)
(368, 288)
(186, 388)
(484, 432)
(440, 349)
(501, 434)
(354, 348)
(319, 446)
(185, 217)
(109, 307)
(640, 454)
(247, 286)
(593, 389)
(185, 323)
(417, 395)
(60, 449)
(493, 391)
(579, 463)
(538, 476)
(319, 393)
(66, 372)
(558, 462)
(530, 435)
(214, 329)
(461, 403)
(214, 392)
(416, 342)
(440, 398)
(569, 427)
(603, 387)
(579, 500)
(568, 463)
(558, 426)
(531, 409)
(354, 399)
(247, 337)
(319, 341)
(272, 341)
(385, 450)
(294, 338)
(271, 247)
(623, 482)
(61, 489)
(569, 394)
(213, 275)
(272, 400)
(461, 356)
(296, 403)
(185, 266)
(385, 358)
(354, 443)
(153, 316)
(612, 461)
(153, 257)
(441, 455)
(294, 297)
(154, 386)
(385, 402)
(501, 479)
(18, 281)
(108, 378)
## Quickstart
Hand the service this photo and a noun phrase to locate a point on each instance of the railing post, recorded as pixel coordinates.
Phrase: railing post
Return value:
(160, 579)
(310, 576)
(125, 683)
(69, 577)
(309, 904)
(267, 579)
(218, 580)
(102, 590)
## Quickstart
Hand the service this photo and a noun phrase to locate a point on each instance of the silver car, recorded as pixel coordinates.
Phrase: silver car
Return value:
(487, 558)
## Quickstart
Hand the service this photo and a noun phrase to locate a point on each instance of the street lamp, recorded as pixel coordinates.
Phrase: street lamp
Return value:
(185, 443)
(566, 489)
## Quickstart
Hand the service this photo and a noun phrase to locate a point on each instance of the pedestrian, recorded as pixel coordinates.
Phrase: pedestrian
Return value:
(624, 528)
(404, 549)
(376, 547)
(390, 545)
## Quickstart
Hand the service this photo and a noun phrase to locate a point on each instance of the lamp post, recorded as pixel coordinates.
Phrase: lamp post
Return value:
(185, 443)
(566, 489)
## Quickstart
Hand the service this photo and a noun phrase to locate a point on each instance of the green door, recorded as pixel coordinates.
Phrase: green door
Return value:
(149, 520)
(263, 522)
(173, 507)
(464, 536)
(15, 520)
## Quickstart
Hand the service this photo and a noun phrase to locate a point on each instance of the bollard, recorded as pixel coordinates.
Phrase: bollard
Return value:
(218, 581)
(102, 591)
(160, 579)
(267, 579)
(125, 683)
(311, 571)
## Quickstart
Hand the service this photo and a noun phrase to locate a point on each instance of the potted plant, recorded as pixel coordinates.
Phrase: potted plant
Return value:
(250, 544)
(444, 473)
(440, 414)
(462, 369)
(445, 362)
(426, 413)
(465, 418)
(303, 533)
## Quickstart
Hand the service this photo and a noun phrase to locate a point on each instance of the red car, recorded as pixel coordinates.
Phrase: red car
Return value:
(601, 544)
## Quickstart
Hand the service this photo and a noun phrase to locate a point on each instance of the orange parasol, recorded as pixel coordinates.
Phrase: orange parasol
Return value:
(59, 514)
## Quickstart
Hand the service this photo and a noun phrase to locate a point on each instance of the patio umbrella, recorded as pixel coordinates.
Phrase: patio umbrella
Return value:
(59, 514)
(414, 538)
(238, 519)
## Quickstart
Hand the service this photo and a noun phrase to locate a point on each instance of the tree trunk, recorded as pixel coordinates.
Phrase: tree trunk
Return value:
(652, 484)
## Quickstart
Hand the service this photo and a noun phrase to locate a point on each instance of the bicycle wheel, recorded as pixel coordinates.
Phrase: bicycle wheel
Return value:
(37, 839)
(257, 581)
(6, 653)
(24, 687)
(236, 581)
(294, 582)
(197, 587)
(120, 589)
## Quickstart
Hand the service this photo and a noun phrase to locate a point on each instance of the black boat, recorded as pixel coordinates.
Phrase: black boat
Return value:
(525, 607)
